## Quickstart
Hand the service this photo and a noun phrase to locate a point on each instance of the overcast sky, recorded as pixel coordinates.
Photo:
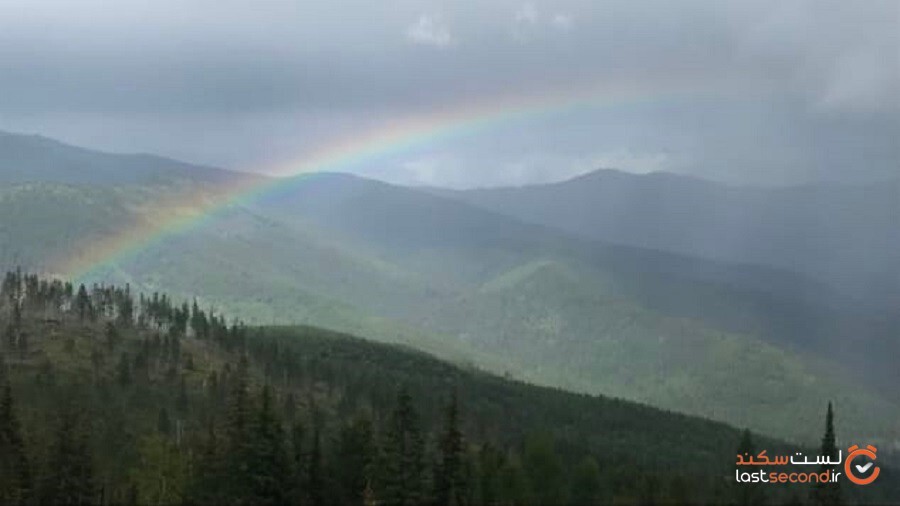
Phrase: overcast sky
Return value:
(761, 92)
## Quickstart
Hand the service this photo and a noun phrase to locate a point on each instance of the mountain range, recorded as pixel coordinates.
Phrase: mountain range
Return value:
(843, 234)
(620, 288)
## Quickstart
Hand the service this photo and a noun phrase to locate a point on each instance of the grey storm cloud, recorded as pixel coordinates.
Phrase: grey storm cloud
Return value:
(782, 91)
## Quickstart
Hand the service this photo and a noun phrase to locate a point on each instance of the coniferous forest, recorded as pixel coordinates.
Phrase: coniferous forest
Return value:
(111, 397)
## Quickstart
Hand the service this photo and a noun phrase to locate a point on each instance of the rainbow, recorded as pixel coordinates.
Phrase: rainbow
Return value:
(168, 219)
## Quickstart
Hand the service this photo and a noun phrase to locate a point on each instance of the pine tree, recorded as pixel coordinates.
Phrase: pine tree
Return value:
(315, 481)
(238, 438)
(69, 475)
(14, 327)
(199, 323)
(586, 482)
(543, 468)
(83, 303)
(748, 494)
(126, 308)
(490, 461)
(514, 487)
(205, 486)
(270, 463)
(112, 336)
(161, 477)
(828, 494)
(10, 337)
(17, 315)
(15, 473)
(450, 486)
(298, 463)
(354, 457)
(164, 423)
(123, 371)
(181, 402)
(23, 344)
(404, 456)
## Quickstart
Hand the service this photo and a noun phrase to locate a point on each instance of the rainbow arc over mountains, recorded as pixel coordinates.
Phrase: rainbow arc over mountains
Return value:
(169, 219)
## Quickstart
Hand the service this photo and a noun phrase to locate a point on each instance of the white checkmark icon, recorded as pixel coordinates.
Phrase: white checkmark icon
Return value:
(864, 468)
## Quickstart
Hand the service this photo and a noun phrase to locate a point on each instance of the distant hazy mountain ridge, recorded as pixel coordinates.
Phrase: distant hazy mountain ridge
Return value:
(846, 235)
(33, 158)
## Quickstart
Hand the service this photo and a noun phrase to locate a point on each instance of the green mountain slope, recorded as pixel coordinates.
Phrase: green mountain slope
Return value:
(531, 310)
(45, 224)
(563, 331)
(735, 343)
(158, 408)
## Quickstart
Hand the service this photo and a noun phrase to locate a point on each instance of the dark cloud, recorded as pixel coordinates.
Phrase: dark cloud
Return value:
(767, 91)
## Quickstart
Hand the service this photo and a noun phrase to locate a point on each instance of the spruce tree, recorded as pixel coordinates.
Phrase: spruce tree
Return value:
(828, 494)
(126, 308)
(123, 370)
(205, 486)
(450, 486)
(69, 475)
(354, 460)
(298, 463)
(543, 468)
(23, 344)
(237, 437)
(514, 486)
(181, 402)
(82, 303)
(270, 463)
(161, 476)
(15, 473)
(490, 461)
(586, 482)
(747, 494)
(14, 327)
(404, 456)
(112, 336)
(315, 481)
(164, 423)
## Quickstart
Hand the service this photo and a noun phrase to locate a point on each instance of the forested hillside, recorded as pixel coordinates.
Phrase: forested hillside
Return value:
(112, 397)
(401, 265)
(395, 265)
